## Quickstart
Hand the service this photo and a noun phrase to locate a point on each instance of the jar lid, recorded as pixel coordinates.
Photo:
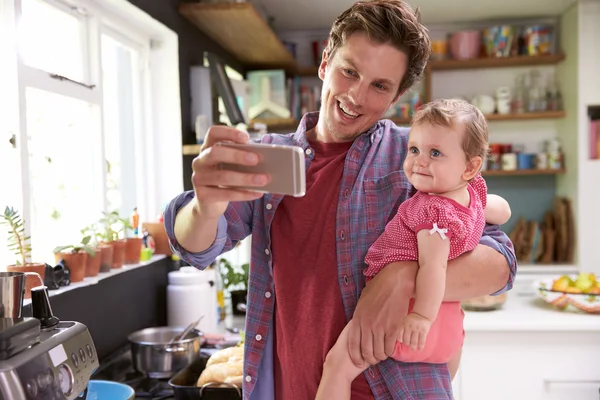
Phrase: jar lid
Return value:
(191, 276)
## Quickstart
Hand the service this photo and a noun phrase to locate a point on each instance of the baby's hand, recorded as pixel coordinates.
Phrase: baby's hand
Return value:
(414, 330)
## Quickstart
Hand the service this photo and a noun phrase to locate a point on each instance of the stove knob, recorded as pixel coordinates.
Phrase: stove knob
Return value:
(44, 380)
(31, 388)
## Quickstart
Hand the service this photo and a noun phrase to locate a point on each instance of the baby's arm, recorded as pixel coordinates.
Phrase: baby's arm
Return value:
(497, 210)
(430, 287)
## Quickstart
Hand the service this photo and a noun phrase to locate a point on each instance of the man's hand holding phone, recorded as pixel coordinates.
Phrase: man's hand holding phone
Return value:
(215, 187)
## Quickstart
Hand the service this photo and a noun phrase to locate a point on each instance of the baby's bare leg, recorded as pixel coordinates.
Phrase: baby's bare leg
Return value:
(454, 363)
(338, 371)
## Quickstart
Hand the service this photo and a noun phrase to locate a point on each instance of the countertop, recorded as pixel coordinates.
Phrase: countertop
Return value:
(521, 312)
(527, 312)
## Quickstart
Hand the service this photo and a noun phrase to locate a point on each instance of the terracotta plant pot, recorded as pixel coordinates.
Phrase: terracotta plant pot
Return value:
(118, 253)
(133, 250)
(159, 234)
(76, 262)
(30, 281)
(106, 257)
(92, 265)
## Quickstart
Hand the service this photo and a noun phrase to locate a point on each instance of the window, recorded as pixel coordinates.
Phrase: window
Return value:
(74, 124)
(10, 178)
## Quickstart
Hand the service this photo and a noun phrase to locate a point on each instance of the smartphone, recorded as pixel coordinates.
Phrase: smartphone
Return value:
(284, 164)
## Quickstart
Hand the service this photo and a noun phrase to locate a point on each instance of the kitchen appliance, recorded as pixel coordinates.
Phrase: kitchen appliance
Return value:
(41, 357)
(155, 356)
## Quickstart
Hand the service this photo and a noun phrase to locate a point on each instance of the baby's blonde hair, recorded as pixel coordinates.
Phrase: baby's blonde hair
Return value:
(449, 113)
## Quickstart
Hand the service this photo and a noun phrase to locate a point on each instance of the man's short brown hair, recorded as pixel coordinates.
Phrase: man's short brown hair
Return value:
(452, 113)
(386, 21)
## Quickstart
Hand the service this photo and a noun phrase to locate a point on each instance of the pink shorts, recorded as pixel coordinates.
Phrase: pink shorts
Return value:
(444, 340)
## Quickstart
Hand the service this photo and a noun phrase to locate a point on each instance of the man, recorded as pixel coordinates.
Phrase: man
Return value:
(308, 253)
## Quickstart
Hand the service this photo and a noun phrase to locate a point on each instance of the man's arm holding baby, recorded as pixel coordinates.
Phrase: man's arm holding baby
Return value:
(488, 269)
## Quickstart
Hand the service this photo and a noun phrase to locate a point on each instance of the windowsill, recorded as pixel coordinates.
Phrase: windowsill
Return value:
(95, 279)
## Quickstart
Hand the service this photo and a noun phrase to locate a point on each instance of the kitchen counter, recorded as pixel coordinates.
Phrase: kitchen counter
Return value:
(529, 350)
(523, 312)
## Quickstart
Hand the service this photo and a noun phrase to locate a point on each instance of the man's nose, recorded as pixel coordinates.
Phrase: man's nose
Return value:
(358, 93)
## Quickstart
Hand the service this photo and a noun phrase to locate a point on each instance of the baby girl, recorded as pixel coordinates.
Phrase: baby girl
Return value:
(447, 144)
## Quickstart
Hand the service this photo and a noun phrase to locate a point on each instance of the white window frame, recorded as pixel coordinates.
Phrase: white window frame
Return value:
(160, 170)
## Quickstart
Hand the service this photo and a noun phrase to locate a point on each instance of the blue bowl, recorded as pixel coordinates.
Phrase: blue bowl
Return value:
(107, 390)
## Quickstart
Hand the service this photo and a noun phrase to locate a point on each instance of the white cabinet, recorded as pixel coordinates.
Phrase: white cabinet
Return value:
(536, 365)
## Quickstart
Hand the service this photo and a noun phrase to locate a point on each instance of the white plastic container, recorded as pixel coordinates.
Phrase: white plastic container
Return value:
(192, 293)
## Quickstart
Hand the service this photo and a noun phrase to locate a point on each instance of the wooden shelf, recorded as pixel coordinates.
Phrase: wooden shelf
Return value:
(499, 62)
(532, 115)
(446, 65)
(523, 172)
(308, 71)
(503, 117)
(241, 31)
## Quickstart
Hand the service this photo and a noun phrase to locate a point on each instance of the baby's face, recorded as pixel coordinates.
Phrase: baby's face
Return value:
(435, 162)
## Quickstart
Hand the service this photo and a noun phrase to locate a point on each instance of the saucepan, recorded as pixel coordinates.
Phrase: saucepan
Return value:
(156, 355)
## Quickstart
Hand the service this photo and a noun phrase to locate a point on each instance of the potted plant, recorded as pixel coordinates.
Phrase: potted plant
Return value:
(133, 243)
(111, 228)
(75, 257)
(102, 261)
(20, 245)
(235, 281)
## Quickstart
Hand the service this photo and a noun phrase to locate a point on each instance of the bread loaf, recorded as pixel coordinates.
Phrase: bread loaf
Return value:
(224, 366)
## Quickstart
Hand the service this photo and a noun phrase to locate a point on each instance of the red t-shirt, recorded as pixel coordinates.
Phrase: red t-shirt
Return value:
(309, 313)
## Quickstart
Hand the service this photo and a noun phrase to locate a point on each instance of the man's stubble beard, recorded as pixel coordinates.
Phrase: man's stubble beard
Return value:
(338, 135)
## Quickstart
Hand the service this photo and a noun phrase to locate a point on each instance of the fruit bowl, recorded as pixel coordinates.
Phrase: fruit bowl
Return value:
(579, 291)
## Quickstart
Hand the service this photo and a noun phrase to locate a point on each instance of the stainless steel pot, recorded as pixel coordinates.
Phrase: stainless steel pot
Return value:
(153, 355)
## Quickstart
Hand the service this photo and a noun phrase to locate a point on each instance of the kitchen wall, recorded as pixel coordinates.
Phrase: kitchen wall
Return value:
(192, 45)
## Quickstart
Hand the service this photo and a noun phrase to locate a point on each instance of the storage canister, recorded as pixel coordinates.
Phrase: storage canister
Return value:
(192, 293)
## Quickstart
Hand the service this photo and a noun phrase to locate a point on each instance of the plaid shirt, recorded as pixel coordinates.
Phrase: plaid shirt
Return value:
(372, 187)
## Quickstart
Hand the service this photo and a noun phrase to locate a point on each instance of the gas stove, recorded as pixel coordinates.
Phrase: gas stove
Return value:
(119, 368)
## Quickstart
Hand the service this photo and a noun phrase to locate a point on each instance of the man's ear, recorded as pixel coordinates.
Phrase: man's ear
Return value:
(473, 168)
(323, 65)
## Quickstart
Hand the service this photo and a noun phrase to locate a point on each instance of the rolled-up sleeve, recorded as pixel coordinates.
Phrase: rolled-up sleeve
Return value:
(496, 239)
(199, 260)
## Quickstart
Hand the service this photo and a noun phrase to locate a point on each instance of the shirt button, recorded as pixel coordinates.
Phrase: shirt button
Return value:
(267, 252)
(346, 279)
(371, 372)
(258, 338)
(347, 192)
(308, 152)
(342, 235)
(269, 206)
(248, 378)
(268, 295)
